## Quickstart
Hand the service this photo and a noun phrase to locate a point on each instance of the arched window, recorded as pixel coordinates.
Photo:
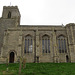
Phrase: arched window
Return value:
(28, 44)
(9, 14)
(62, 44)
(45, 44)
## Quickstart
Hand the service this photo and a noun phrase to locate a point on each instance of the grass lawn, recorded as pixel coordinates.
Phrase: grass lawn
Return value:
(39, 69)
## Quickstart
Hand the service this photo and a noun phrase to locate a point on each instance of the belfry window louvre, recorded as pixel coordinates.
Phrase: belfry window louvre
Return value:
(62, 44)
(45, 44)
(9, 14)
(28, 44)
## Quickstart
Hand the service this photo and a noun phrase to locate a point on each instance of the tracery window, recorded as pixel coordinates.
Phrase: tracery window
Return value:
(62, 44)
(28, 44)
(45, 44)
(9, 14)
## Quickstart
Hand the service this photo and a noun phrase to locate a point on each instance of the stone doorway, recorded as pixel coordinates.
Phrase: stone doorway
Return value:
(37, 59)
(67, 58)
(11, 57)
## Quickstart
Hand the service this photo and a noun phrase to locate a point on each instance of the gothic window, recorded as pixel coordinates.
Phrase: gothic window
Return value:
(28, 44)
(9, 14)
(62, 44)
(45, 44)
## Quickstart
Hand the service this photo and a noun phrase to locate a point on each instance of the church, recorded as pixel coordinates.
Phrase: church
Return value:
(37, 43)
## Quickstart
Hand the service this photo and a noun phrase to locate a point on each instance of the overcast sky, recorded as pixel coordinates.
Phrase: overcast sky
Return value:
(43, 12)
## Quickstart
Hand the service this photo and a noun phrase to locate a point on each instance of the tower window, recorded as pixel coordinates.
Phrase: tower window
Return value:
(9, 14)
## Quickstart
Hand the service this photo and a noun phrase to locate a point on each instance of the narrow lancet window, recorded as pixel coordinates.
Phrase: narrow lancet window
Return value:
(9, 14)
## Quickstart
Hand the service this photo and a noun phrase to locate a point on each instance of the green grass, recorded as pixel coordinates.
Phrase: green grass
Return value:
(40, 69)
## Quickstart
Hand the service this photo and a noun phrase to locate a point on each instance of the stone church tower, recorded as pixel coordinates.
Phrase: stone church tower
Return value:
(44, 43)
(10, 18)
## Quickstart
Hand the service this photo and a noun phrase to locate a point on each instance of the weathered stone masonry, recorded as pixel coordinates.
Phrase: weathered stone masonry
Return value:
(43, 43)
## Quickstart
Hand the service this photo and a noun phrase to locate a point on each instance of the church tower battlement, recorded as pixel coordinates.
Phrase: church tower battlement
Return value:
(10, 12)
